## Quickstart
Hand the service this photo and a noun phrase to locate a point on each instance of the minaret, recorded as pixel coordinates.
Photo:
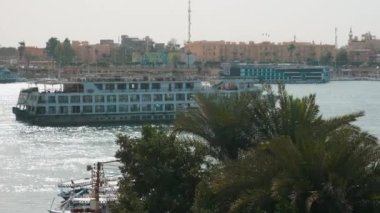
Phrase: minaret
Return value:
(350, 35)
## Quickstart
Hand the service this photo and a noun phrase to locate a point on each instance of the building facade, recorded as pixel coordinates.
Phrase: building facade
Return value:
(265, 52)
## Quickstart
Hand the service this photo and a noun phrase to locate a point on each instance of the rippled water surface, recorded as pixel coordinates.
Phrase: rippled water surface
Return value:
(34, 159)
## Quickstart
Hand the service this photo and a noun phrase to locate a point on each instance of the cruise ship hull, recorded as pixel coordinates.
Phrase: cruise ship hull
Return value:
(92, 120)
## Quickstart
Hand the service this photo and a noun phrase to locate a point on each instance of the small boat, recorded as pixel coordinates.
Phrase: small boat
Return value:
(88, 194)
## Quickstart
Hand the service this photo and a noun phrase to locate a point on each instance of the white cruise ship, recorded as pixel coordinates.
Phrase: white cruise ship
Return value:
(117, 100)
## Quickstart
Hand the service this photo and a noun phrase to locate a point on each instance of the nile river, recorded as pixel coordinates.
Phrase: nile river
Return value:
(34, 159)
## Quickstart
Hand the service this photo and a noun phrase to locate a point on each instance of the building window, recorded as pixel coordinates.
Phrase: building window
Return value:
(111, 108)
(75, 109)
(123, 98)
(87, 109)
(63, 99)
(75, 99)
(99, 108)
(157, 97)
(111, 98)
(146, 98)
(123, 108)
(87, 99)
(99, 98)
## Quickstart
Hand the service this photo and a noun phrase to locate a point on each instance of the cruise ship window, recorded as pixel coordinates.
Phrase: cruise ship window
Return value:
(99, 86)
(135, 108)
(144, 86)
(75, 109)
(51, 99)
(156, 86)
(146, 98)
(169, 97)
(135, 98)
(63, 99)
(99, 98)
(110, 86)
(180, 97)
(63, 110)
(189, 85)
(52, 110)
(178, 86)
(111, 108)
(87, 99)
(158, 107)
(75, 99)
(42, 99)
(189, 96)
(121, 86)
(123, 98)
(169, 107)
(133, 86)
(87, 109)
(99, 108)
(123, 108)
(157, 97)
(111, 98)
(41, 110)
(146, 108)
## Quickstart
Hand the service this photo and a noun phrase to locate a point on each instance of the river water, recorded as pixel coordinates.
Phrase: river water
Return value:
(34, 159)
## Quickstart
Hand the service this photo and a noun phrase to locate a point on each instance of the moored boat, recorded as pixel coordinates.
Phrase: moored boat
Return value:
(117, 100)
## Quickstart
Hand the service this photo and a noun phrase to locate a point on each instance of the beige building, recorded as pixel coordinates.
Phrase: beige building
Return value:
(89, 53)
(365, 50)
(222, 51)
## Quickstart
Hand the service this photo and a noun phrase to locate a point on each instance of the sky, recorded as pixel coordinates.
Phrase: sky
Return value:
(35, 21)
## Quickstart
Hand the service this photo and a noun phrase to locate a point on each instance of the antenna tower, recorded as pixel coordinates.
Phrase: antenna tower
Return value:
(189, 23)
(336, 37)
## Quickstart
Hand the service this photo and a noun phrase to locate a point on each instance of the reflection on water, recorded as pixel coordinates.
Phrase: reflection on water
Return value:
(33, 159)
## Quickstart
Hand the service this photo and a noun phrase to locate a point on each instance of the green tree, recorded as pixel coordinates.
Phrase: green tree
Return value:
(66, 53)
(160, 172)
(326, 58)
(52, 48)
(342, 57)
(300, 154)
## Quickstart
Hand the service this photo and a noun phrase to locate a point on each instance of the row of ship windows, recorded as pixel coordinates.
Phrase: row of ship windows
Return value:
(110, 109)
(143, 86)
(115, 98)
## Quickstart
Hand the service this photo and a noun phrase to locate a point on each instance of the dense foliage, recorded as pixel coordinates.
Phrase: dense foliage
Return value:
(274, 153)
(160, 171)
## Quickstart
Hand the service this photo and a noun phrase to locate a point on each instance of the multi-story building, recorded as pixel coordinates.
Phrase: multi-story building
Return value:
(90, 53)
(365, 50)
(221, 51)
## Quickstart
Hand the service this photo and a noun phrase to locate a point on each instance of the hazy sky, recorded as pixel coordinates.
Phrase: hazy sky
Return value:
(35, 21)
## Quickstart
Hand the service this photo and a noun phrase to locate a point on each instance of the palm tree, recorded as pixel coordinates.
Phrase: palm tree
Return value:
(338, 173)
